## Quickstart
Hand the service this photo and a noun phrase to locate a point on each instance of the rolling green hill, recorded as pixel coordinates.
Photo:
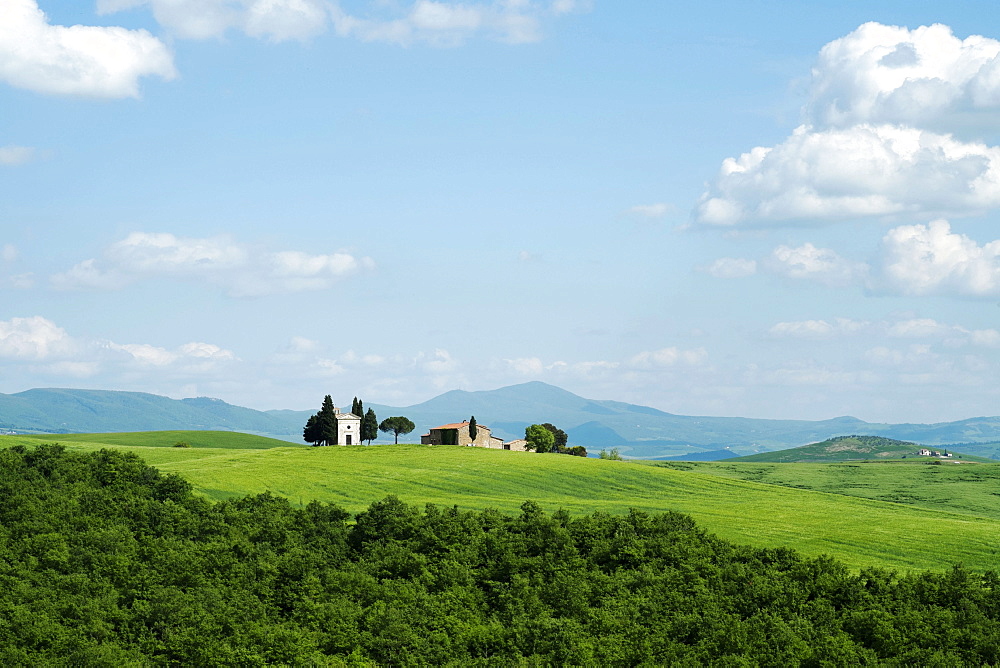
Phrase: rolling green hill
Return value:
(861, 532)
(163, 439)
(958, 488)
(847, 448)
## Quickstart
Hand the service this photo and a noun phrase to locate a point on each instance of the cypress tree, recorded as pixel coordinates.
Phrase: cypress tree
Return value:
(327, 419)
(357, 408)
(473, 429)
(310, 433)
(369, 427)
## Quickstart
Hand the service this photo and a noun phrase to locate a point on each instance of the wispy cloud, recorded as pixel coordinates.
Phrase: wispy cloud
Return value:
(434, 22)
(241, 270)
(17, 155)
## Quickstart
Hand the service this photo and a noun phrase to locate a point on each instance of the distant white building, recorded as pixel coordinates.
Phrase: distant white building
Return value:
(348, 428)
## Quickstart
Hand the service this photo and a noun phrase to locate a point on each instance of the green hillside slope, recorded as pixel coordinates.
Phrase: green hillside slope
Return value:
(969, 489)
(162, 439)
(861, 532)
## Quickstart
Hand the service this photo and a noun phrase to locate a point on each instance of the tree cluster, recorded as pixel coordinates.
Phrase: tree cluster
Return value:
(105, 561)
(549, 438)
(321, 428)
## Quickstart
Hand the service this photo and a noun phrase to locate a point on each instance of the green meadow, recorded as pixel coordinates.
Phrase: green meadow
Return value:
(967, 488)
(158, 439)
(904, 517)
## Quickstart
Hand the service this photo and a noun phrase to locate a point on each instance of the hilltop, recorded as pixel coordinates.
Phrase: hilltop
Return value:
(848, 448)
(639, 431)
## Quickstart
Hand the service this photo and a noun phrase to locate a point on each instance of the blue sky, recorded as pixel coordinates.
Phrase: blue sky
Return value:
(778, 209)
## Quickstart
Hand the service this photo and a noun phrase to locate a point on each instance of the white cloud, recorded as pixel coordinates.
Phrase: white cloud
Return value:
(276, 20)
(16, 155)
(528, 366)
(23, 281)
(916, 354)
(145, 354)
(240, 270)
(76, 60)
(668, 357)
(860, 171)
(450, 23)
(8, 252)
(988, 338)
(811, 374)
(430, 21)
(890, 132)
(205, 351)
(658, 210)
(932, 260)
(816, 264)
(195, 353)
(918, 328)
(439, 362)
(300, 344)
(732, 267)
(818, 329)
(928, 329)
(34, 338)
(924, 77)
(913, 260)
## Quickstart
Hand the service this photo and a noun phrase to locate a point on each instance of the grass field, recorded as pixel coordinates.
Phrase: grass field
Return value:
(166, 439)
(970, 489)
(858, 531)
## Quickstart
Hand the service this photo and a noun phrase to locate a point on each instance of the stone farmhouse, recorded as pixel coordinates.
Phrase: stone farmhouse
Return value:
(348, 428)
(457, 433)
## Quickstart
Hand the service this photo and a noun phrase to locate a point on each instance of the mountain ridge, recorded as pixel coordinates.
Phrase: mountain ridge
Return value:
(639, 431)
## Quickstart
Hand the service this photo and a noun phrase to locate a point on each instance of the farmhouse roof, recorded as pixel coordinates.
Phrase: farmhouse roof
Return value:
(457, 425)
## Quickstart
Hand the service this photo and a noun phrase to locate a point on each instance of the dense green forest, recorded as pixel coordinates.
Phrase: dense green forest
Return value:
(106, 561)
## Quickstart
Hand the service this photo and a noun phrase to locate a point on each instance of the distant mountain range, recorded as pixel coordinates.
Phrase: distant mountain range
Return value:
(639, 431)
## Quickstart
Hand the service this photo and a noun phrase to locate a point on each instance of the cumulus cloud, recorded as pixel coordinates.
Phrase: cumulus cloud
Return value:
(8, 252)
(34, 338)
(16, 155)
(911, 260)
(239, 269)
(891, 132)
(932, 260)
(80, 60)
(925, 77)
(816, 264)
(860, 171)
